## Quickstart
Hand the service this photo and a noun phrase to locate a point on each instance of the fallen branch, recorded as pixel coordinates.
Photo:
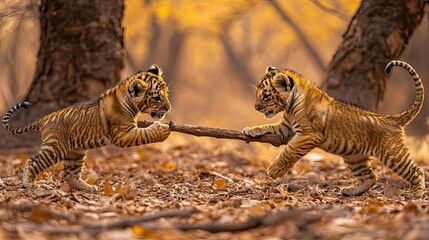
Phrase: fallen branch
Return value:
(45, 212)
(201, 131)
(97, 228)
(300, 216)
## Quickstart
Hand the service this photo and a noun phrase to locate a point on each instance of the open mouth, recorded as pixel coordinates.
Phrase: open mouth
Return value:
(157, 115)
(268, 113)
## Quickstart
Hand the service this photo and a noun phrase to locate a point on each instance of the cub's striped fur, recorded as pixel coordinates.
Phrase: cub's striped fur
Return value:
(111, 118)
(313, 119)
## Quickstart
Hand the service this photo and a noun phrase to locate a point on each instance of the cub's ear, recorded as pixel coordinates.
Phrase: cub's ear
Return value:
(283, 82)
(137, 87)
(269, 69)
(155, 70)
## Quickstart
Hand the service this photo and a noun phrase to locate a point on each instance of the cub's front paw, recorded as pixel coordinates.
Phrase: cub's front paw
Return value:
(160, 126)
(162, 129)
(30, 185)
(274, 171)
(252, 132)
(156, 124)
(418, 193)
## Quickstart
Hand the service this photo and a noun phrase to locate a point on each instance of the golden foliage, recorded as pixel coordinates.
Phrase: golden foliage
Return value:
(212, 17)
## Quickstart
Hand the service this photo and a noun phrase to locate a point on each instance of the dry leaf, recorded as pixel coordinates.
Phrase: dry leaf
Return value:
(89, 180)
(23, 158)
(142, 232)
(220, 183)
(259, 209)
(303, 168)
(39, 214)
(118, 188)
(108, 190)
(140, 153)
(169, 166)
(373, 206)
(65, 187)
(411, 208)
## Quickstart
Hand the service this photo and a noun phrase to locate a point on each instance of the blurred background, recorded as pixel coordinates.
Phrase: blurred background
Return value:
(214, 52)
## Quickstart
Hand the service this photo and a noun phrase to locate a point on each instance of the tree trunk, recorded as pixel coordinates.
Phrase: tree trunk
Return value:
(80, 56)
(377, 34)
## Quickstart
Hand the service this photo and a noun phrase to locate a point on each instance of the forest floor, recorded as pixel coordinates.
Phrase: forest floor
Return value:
(216, 185)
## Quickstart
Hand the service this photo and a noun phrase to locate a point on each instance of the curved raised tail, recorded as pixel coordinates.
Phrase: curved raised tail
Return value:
(407, 116)
(18, 130)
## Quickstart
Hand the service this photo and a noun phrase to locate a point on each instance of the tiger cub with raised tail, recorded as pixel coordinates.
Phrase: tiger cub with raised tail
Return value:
(109, 119)
(312, 119)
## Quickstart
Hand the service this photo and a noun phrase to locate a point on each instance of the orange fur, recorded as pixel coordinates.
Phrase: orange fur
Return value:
(109, 119)
(313, 119)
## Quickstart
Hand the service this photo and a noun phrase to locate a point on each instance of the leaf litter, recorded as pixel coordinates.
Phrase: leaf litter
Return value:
(224, 186)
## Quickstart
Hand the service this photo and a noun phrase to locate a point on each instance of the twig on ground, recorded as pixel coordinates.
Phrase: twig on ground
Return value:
(300, 216)
(201, 131)
(297, 215)
(45, 212)
(216, 174)
(97, 228)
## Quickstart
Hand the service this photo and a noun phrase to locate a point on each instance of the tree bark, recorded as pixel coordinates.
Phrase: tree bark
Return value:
(80, 56)
(377, 34)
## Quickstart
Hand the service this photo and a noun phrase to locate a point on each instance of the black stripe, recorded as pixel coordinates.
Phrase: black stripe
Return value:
(146, 136)
(410, 171)
(298, 131)
(358, 169)
(129, 129)
(39, 165)
(405, 166)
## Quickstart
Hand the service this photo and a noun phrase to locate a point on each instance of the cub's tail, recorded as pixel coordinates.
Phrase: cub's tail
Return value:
(18, 130)
(407, 116)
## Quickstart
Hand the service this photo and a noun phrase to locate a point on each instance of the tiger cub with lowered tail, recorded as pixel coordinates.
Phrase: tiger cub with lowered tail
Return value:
(313, 119)
(108, 119)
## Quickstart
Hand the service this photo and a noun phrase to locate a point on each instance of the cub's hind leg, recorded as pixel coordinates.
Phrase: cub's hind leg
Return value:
(398, 158)
(73, 163)
(48, 155)
(365, 176)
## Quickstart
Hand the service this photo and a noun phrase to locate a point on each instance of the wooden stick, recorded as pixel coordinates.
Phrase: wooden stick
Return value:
(299, 216)
(99, 227)
(131, 221)
(201, 131)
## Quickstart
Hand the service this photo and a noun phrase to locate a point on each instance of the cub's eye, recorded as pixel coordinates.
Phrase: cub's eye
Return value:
(157, 98)
(264, 97)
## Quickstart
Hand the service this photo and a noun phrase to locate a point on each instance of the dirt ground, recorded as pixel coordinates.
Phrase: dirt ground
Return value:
(223, 184)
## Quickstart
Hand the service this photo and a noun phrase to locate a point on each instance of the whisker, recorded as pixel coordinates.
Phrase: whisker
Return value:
(171, 87)
(252, 86)
(172, 111)
(171, 84)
